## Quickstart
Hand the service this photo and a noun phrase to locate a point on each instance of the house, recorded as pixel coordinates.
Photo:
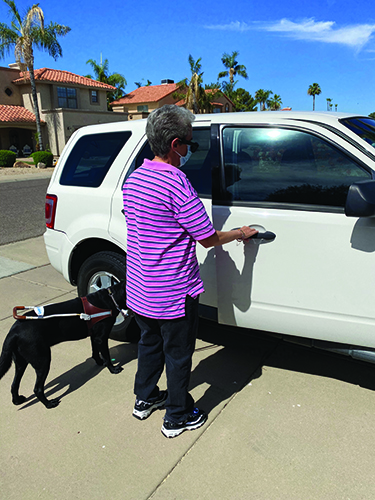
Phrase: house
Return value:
(139, 103)
(66, 102)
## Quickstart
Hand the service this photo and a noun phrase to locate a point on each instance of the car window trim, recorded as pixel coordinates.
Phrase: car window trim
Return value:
(281, 206)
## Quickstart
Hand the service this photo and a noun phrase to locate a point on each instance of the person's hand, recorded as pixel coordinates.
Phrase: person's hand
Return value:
(246, 233)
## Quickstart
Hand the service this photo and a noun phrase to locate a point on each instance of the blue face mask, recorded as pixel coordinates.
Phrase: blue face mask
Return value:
(184, 159)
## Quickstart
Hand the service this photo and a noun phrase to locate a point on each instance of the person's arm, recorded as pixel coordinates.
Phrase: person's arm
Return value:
(222, 237)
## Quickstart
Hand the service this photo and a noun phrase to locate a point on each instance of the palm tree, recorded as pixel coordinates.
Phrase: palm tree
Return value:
(243, 100)
(22, 36)
(233, 68)
(140, 84)
(228, 88)
(275, 103)
(262, 96)
(314, 90)
(328, 103)
(115, 79)
(192, 90)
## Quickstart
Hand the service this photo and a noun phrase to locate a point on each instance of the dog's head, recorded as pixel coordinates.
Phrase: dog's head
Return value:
(119, 294)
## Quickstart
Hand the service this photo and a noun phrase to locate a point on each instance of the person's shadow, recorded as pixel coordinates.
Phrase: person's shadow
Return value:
(79, 375)
(237, 360)
(241, 355)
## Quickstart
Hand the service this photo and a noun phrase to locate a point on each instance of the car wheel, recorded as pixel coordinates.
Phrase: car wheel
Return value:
(103, 270)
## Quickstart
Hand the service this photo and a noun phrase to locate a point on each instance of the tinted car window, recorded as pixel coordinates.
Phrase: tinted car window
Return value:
(91, 158)
(198, 168)
(364, 127)
(286, 166)
(145, 153)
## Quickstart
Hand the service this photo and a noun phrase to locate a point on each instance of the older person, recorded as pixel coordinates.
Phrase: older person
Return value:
(165, 218)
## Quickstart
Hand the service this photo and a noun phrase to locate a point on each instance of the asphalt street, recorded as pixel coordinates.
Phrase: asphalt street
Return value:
(22, 209)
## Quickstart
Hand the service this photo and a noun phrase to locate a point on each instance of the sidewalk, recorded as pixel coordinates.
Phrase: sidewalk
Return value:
(12, 174)
(285, 423)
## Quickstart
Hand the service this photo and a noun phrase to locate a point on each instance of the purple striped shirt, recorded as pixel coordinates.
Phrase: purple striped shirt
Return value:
(164, 218)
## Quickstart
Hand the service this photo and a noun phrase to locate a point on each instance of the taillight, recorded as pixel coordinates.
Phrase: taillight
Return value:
(50, 210)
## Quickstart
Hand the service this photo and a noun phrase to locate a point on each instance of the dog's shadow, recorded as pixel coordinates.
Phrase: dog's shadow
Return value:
(79, 375)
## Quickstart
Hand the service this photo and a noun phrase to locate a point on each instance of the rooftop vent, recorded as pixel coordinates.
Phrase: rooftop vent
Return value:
(165, 82)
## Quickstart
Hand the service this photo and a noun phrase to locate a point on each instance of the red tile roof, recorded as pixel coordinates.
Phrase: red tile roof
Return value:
(152, 93)
(16, 114)
(208, 91)
(54, 75)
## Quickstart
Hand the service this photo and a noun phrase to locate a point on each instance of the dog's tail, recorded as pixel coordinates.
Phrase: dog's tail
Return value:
(6, 354)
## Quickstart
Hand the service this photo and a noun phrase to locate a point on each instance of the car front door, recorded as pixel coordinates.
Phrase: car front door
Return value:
(316, 278)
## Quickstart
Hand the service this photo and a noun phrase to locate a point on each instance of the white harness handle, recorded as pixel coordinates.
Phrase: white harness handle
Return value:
(39, 311)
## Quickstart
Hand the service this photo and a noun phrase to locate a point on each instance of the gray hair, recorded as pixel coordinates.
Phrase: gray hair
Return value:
(165, 124)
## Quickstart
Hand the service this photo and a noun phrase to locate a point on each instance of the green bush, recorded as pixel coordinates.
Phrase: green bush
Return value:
(7, 158)
(43, 157)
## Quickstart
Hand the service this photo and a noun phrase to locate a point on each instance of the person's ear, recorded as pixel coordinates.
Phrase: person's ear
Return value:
(175, 143)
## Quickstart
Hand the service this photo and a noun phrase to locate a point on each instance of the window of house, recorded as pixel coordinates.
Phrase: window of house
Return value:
(94, 97)
(142, 108)
(272, 165)
(67, 97)
(217, 109)
(227, 108)
(91, 158)
(8, 91)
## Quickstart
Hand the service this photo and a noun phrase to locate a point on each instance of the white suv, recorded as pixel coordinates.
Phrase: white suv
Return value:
(306, 177)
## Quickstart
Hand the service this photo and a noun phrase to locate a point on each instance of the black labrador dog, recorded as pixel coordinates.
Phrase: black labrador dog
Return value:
(30, 340)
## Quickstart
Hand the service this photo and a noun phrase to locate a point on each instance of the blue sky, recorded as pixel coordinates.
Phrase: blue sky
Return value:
(285, 46)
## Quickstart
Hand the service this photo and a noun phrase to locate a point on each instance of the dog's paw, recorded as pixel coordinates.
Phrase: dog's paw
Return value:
(19, 400)
(52, 403)
(116, 369)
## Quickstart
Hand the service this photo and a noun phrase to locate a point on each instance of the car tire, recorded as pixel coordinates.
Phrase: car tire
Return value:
(103, 270)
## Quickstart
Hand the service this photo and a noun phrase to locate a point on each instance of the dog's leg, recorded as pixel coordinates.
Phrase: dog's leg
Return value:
(42, 369)
(95, 353)
(21, 365)
(101, 344)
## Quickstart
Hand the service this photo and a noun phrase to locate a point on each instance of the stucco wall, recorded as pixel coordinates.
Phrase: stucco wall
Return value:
(85, 98)
(6, 77)
(62, 123)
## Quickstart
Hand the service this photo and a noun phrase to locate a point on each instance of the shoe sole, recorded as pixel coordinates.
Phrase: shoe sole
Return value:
(176, 432)
(142, 415)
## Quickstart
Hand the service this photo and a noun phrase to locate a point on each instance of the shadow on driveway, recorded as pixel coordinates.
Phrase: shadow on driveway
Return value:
(245, 353)
(226, 371)
(79, 375)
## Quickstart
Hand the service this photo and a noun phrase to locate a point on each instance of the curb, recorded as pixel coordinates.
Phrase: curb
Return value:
(25, 177)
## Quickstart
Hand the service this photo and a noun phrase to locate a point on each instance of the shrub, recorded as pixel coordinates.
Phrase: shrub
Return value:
(42, 156)
(7, 158)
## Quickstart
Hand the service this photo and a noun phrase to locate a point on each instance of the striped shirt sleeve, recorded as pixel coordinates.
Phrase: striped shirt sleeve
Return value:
(193, 217)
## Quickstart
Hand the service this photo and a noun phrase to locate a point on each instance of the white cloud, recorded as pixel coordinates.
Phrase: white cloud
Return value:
(355, 36)
(233, 26)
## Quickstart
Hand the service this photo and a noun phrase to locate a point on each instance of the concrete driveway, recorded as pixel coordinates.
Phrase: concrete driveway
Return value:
(285, 422)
